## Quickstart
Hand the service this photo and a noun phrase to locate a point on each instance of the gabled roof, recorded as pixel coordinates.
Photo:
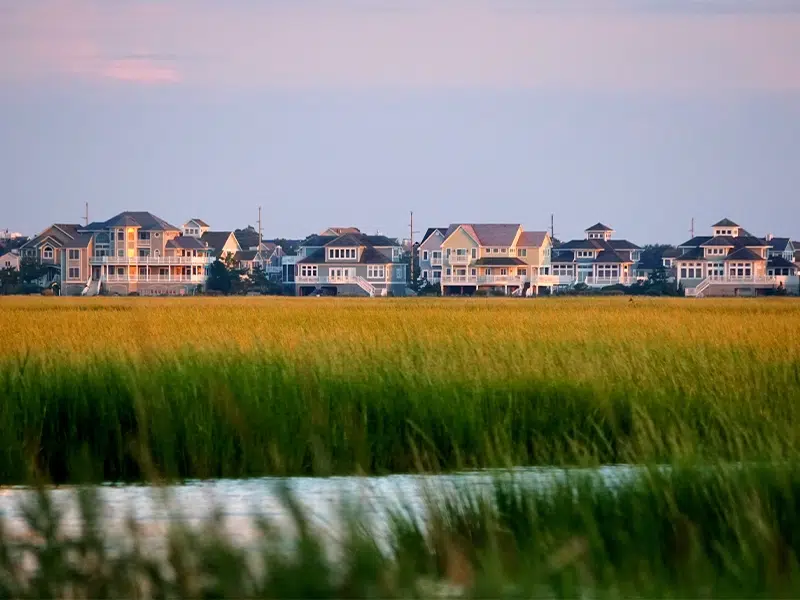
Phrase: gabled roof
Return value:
(369, 256)
(245, 255)
(563, 256)
(200, 222)
(334, 231)
(609, 256)
(696, 241)
(317, 241)
(187, 242)
(598, 227)
(431, 230)
(780, 244)
(725, 223)
(743, 254)
(488, 234)
(216, 240)
(780, 263)
(719, 241)
(693, 254)
(499, 261)
(142, 219)
(621, 244)
(82, 240)
(346, 240)
(60, 233)
(579, 245)
(532, 239)
(671, 253)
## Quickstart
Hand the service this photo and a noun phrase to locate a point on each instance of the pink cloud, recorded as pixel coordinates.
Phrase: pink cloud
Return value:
(409, 44)
(139, 70)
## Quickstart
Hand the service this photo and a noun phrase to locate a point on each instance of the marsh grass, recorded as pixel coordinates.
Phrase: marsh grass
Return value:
(678, 532)
(237, 388)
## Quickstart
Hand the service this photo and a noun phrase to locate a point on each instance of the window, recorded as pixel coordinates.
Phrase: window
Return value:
(473, 272)
(585, 254)
(308, 270)
(120, 271)
(376, 272)
(503, 271)
(461, 252)
(425, 257)
(121, 252)
(131, 235)
(522, 272)
(607, 271)
(425, 274)
(449, 271)
(8, 264)
(436, 255)
(342, 254)
(522, 252)
(74, 273)
(474, 253)
(503, 250)
(562, 270)
(47, 252)
(144, 236)
(487, 271)
(144, 252)
(74, 254)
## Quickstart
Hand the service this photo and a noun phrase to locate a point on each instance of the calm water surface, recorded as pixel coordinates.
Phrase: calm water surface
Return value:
(239, 501)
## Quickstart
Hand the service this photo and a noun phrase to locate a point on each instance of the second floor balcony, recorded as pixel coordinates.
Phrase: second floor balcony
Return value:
(436, 261)
(150, 260)
(458, 259)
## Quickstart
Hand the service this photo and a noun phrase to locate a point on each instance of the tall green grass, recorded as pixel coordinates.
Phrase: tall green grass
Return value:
(717, 532)
(231, 388)
(196, 414)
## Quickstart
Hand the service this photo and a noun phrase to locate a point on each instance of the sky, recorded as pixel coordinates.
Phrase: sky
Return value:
(641, 114)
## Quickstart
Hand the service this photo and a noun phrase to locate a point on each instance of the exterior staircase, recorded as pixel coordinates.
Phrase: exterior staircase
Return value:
(92, 288)
(366, 286)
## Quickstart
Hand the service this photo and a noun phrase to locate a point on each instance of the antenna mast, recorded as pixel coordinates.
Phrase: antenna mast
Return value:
(552, 227)
(411, 243)
(691, 229)
(86, 215)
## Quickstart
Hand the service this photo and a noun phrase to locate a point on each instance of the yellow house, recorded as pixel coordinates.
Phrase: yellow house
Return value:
(493, 257)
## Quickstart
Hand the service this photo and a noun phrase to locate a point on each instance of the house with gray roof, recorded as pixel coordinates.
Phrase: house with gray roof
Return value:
(132, 252)
(429, 255)
(733, 262)
(494, 257)
(349, 264)
(598, 260)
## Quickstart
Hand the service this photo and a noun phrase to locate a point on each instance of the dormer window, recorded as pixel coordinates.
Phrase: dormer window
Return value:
(342, 253)
(585, 254)
(47, 253)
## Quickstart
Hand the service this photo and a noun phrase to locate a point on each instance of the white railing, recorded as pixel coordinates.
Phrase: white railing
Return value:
(459, 280)
(455, 259)
(151, 260)
(365, 285)
(723, 279)
(603, 281)
(154, 278)
(436, 261)
(501, 279)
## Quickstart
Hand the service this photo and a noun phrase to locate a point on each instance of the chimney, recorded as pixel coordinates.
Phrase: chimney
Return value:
(769, 237)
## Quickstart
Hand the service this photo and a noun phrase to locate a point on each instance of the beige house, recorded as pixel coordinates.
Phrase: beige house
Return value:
(494, 257)
(9, 260)
(64, 252)
(733, 262)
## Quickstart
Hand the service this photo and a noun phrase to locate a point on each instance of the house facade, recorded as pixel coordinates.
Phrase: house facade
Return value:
(733, 262)
(429, 255)
(597, 261)
(267, 257)
(350, 264)
(493, 257)
(131, 252)
(9, 260)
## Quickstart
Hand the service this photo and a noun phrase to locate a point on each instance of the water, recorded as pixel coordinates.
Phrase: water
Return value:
(241, 501)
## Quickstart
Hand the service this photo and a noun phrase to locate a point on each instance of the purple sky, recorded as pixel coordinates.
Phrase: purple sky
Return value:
(638, 114)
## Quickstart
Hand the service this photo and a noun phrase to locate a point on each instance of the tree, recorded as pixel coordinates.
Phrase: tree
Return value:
(219, 278)
(31, 271)
(9, 280)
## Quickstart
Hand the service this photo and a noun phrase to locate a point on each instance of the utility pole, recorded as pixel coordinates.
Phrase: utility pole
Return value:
(552, 227)
(86, 215)
(411, 242)
(259, 229)
(691, 229)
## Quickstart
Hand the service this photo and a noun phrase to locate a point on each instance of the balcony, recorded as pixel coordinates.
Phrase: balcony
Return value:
(150, 260)
(605, 281)
(436, 261)
(456, 259)
(136, 278)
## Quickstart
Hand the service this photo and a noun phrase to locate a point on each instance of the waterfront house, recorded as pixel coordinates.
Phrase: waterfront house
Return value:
(57, 242)
(494, 257)
(733, 262)
(266, 256)
(597, 261)
(352, 264)
(429, 255)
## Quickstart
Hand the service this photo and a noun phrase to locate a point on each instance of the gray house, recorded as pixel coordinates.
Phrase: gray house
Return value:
(429, 253)
(351, 264)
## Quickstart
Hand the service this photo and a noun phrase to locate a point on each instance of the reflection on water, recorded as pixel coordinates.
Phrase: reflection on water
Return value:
(239, 501)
